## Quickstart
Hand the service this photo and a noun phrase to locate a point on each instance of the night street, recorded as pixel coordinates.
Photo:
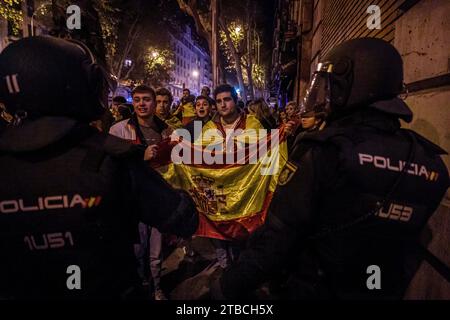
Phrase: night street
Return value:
(182, 153)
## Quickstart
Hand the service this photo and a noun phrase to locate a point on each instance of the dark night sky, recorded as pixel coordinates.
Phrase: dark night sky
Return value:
(265, 23)
(268, 11)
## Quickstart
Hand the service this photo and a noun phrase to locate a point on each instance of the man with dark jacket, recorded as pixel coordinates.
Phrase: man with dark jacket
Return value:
(71, 197)
(354, 197)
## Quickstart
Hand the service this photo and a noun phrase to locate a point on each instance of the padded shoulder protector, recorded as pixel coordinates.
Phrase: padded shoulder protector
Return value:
(329, 134)
(113, 146)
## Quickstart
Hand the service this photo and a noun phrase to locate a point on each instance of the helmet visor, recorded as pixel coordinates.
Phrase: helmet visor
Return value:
(317, 98)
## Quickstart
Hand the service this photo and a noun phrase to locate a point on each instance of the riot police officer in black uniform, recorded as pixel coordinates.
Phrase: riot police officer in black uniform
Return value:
(354, 197)
(71, 197)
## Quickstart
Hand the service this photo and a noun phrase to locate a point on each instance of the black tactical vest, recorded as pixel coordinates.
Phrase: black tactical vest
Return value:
(373, 210)
(67, 209)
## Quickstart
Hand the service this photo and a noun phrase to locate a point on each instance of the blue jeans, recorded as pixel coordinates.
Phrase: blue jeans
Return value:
(148, 253)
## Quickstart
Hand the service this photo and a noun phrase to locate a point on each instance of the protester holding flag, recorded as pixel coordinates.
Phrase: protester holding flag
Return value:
(231, 171)
(202, 115)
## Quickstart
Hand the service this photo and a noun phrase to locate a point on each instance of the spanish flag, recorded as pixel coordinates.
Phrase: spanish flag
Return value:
(231, 177)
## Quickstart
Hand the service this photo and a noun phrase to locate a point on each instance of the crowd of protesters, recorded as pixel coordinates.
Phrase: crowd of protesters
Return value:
(153, 116)
(50, 149)
(203, 108)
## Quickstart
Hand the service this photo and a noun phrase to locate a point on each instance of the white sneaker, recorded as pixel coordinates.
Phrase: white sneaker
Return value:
(159, 295)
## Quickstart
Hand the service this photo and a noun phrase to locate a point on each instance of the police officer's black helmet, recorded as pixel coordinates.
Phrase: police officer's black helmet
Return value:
(358, 73)
(48, 85)
(46, 76)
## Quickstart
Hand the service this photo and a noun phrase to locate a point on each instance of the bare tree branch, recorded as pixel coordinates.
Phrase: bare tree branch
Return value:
(133, 35)
(236, 57)
(201, 26)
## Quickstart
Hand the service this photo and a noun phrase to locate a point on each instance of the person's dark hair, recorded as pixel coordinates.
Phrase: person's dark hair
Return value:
(292, 103)
(191, 98)
(205, 88)
(165, 92)
(144, 89)
(208, 99)
(261, 110)
(83, 84)
(226, 88)
(186, 89)
(119, 99)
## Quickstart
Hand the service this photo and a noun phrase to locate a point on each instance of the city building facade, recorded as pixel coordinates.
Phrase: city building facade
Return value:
(192, 65)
